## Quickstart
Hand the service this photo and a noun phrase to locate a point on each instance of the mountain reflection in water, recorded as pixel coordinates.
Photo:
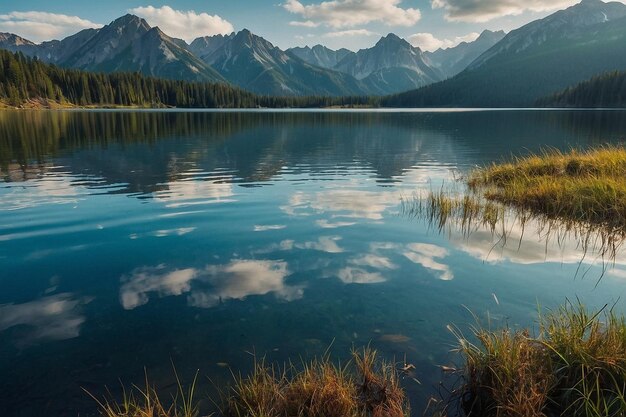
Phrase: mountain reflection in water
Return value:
(128, 238)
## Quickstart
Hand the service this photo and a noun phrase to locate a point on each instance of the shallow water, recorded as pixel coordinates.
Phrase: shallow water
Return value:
(129, 239)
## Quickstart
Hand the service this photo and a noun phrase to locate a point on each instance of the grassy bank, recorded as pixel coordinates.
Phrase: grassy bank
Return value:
(582, 186)
(575, 366)
(577, 196)
(572, 365)
(364, 387)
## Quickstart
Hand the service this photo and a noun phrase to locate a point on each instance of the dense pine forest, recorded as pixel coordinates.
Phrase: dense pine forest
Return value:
(23, 79)
(606, 90)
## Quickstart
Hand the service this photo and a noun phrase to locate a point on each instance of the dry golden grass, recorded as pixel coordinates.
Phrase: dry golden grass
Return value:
(366, 387)
(145, 402)
(579, 196)
(576, 366)
(588, 186)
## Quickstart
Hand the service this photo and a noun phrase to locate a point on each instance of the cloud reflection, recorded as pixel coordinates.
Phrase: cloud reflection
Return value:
(181, 231)
(348, 203)
(350, 275)
(531, 244)
(49, 189)
(326, 244)
(55, 317)
(183, 193)
(242, 278)
(325, 224)
(423, 254)
(143, 281)
(268, 227)
(207, 287)
(374, 260)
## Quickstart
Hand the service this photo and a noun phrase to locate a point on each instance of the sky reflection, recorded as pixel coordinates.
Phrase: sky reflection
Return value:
(199, 236)
(54, 317)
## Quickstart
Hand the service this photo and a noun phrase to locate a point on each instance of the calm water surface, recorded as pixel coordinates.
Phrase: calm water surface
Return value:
(131, 238)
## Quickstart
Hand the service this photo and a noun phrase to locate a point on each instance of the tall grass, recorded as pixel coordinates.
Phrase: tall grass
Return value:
(364, 387)
(578, 195)
(575, 366)
(146, 402)
(586, 186)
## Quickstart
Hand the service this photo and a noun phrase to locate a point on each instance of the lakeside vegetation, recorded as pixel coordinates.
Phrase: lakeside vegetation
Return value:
(577, 196)
(364, 387)
(574, 366)
(579, 186)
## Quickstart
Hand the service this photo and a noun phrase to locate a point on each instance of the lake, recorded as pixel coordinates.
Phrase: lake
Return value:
(131, 240)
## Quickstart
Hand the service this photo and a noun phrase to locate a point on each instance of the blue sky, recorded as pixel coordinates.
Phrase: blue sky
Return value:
(353, 24)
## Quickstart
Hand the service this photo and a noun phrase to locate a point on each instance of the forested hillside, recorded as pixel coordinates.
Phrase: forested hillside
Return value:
(607, 90)
(534, 61)
(23, 79)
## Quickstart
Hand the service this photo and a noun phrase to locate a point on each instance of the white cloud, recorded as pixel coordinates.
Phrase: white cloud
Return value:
(305, 24)
(351, 32)
(186, 25)
(349, 13)
(41, 26)
(428, 41)
(485, 10)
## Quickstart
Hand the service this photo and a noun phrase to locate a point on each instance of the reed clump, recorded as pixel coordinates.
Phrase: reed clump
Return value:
(365, 387)
(446, 207)
(576, 195)
(576, 366)
(582, 186)
(146, 402)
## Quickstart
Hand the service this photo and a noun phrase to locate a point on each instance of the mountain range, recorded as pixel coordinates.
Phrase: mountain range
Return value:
(496, 70)
(534, 61)
(251, 62)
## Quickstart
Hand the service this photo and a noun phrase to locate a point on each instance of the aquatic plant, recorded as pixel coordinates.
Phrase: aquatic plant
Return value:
(146, 402)
(578, 196)
(585, 186)
(365, 387)
(575, 366)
